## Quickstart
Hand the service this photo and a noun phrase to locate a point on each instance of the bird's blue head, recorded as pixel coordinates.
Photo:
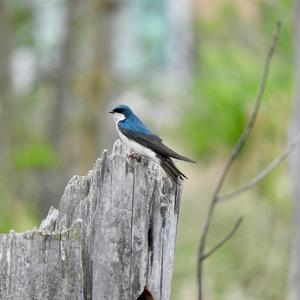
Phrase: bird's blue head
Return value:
(122, 109)
(121, 112)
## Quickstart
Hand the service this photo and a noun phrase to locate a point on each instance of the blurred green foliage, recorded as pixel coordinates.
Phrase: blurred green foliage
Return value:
(255, 263)
(21, 18)
(15, 214)
(35, 155)
(231, 57)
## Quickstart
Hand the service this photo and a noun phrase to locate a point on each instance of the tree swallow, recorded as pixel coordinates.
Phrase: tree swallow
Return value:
(142, 141)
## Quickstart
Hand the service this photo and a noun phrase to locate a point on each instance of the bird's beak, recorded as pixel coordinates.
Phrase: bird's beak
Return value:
(111, 112)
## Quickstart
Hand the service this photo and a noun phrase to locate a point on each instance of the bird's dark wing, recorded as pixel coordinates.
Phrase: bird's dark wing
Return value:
(154, 143)
(170, 169)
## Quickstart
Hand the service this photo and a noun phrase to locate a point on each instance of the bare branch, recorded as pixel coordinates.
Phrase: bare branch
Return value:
(223, 240)
(252, 183)
(261, 88)
(235, 152)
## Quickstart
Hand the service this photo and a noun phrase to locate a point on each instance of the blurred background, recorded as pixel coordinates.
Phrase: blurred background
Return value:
(190, 69)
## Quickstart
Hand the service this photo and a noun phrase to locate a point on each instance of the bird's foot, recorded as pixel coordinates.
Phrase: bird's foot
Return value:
(135, 156)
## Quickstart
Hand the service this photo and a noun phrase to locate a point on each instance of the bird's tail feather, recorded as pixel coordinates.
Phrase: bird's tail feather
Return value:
(171, 170)
(181, 157)
(174, 154)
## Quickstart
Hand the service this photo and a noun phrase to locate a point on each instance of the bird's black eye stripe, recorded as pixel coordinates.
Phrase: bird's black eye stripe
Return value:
(117, 110)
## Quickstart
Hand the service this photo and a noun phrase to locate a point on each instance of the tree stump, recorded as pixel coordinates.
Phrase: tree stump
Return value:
(112, 237)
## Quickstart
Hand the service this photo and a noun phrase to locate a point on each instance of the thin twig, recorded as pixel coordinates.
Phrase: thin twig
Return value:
(223, 240)
(252, 183)
(236, 150)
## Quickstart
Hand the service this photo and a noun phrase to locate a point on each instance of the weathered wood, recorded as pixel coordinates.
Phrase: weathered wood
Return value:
(113, 234)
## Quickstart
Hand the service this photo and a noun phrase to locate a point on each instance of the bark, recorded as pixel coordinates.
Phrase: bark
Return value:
(113, 237)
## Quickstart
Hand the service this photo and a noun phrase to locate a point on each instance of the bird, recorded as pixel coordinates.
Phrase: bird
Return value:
(134, 133)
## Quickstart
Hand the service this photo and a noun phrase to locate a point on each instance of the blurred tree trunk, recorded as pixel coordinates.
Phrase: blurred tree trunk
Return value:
(295, 167)
(97, 79)
(62, 77)
(6, 105)
(51, 183)
(6, 114)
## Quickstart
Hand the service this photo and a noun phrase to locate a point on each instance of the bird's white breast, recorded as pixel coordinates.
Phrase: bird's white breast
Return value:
(138, 148)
